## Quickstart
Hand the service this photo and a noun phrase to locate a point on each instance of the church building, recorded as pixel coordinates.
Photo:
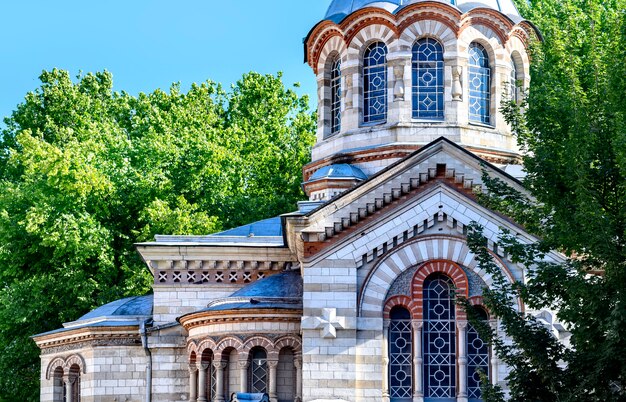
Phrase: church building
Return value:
(348, 298)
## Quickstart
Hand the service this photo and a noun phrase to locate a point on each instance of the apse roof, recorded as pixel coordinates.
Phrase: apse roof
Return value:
(130, 311)
(279, 291)
(339, 9)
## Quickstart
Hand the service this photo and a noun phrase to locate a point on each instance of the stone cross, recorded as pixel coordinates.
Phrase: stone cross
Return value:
(328, 323)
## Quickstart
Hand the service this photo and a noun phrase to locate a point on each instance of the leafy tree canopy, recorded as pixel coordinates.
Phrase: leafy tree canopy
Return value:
(86, 172)
(573, 128)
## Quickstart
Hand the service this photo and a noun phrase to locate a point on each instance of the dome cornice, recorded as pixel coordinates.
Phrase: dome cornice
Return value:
(449, 15)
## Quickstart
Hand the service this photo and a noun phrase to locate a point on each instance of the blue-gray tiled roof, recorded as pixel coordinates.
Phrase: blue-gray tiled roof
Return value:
(267, 227)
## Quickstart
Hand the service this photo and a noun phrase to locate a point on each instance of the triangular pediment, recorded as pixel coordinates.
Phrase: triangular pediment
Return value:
(433, 189)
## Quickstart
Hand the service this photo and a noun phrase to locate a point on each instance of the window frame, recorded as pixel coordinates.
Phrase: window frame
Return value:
(372, 69)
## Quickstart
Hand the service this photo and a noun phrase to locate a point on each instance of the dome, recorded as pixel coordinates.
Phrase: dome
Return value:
(339, 9)
(339, 171)
(279, 291)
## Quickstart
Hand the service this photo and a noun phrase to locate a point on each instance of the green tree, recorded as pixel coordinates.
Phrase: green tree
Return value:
(573, 130)
(86, 172)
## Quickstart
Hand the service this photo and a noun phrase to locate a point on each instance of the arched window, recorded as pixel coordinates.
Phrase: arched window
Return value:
(477, 359)
(58, 387)
(75, 383)
(479, 85)
(439, 339)
(427, 75)
(335, 95)
(257, 373)
(375, 83)
(400, 356)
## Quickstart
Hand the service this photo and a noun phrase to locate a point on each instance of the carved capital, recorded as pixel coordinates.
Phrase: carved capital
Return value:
(461, 325)
(243, 364)
(219, 365)
(272, 363)
(297, 363)
(417, 324)
(192, 367)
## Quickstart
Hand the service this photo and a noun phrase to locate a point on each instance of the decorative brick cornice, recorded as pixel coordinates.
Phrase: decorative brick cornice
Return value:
(235, 317)
(398, 23)
(85, 337)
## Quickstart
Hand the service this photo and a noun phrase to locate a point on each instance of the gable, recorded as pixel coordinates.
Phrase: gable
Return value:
(435, 184)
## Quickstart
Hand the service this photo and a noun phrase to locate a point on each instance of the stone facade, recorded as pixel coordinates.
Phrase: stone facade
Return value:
(332, 302)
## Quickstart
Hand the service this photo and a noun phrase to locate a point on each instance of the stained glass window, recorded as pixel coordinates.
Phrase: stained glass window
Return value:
(479, 85)
(375, 83)
(335, 102)
(400, 356)
(439, 340)
(477, 360)
(258, 371)
(427, 75)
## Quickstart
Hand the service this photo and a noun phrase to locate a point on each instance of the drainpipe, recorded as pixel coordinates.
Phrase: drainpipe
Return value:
(146, 348)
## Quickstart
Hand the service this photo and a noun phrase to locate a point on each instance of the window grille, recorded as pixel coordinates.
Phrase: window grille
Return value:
(258, 372)
(211, 384)
(400, 356)
(477, 360)
(335, 90)
(439, 340)
(513, 81)
(375, 83)
(427, 75)
(479, 85)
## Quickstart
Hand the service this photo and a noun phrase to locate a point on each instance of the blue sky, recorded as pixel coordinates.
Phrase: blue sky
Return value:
(149, 44)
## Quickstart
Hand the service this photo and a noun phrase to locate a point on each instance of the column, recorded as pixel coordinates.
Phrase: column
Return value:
(273, 365)
(219, 381)
(68, 381)
(298, 364)
(418, 361)
(494, 357)
(202, 382)
(193, 383)
(243, 375)
(462, 331)
(385, 349)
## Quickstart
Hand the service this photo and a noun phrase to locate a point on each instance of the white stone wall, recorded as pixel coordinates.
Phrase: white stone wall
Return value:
(172, 301)
(286, 376)
(329, 364)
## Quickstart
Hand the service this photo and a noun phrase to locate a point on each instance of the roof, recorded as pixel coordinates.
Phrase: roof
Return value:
(339, 171)
(279, 291)
(266, 227)
(264, 233)
(340, 9)
(284, 284)
(130, 311)
(130, 306)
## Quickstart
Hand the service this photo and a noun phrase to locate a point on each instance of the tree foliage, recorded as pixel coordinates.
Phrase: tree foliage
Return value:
(86, 172)
(573, 130)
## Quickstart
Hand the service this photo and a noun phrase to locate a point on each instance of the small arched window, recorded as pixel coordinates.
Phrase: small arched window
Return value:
(257, 374)
(427, 75)
(335, 95)
(439, 338)
(400, 356)
(477, 359)
(479, 85)
(375, 83)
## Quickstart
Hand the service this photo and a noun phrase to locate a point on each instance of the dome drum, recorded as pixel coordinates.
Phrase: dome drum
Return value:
(426, 86)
